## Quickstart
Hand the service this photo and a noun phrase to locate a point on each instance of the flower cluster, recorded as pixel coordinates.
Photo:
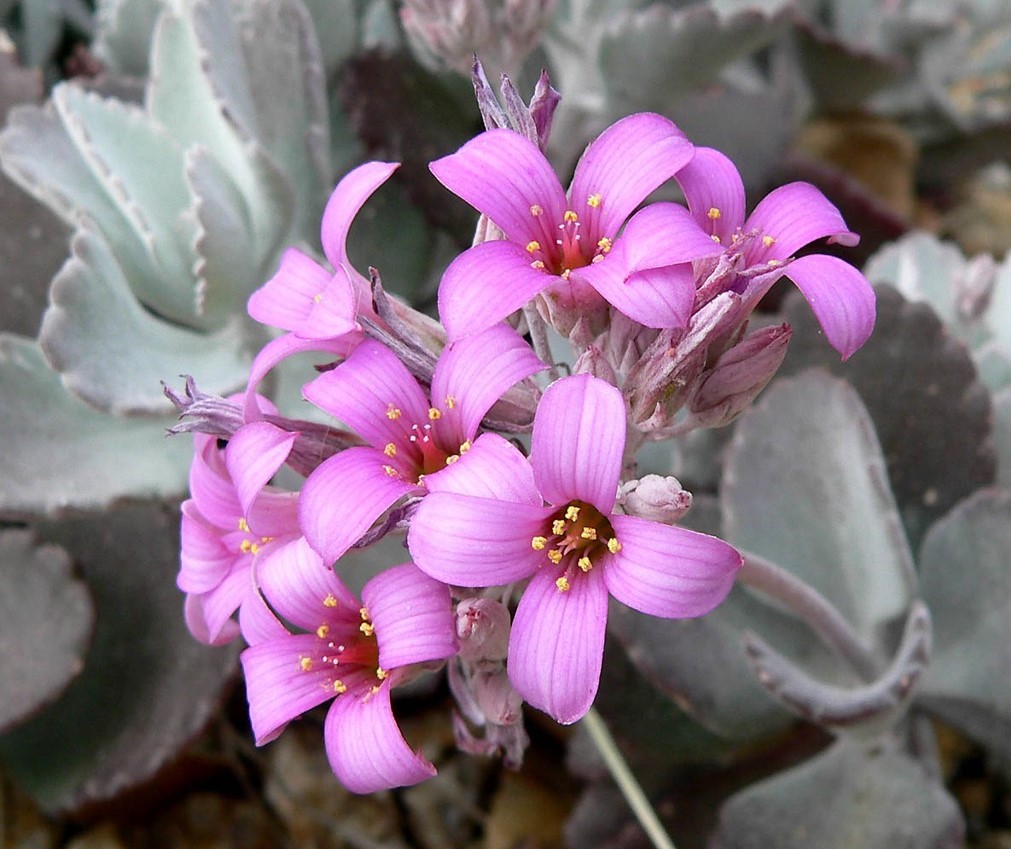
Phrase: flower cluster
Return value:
(516, 545)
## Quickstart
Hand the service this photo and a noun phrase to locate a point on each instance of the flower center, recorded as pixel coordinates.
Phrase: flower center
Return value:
(579, 536)
(572, 247)
(347, 653)
(427, 450)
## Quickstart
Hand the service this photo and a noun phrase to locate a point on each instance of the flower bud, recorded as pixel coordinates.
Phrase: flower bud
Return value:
(660, 499)
(497, 698)
(592, 361)
(738, 376)
(482, 626)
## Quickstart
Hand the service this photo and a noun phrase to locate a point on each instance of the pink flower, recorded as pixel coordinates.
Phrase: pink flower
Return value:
(552, 520)
(563, 244)
(231, 518)
(351, 652)
(760, 248)
(413, 440)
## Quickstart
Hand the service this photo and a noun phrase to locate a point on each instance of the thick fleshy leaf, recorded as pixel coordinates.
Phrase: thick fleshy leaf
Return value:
(715, 193)
(88, 471)
(475, 372)
(374, 394)
(254, 454)
(805, 486)
(147, 687)
(623, 165)
(666, 571)
(579, 441)
(286, 299)
(413, 617)
(794, 216)
(556, 645)
(367, 752)
(965, 580)
(343, 497)
(476, 542)
(472, 296)
(350, 195)
(493, 468)
(46, 619)
(839, 296)
(505, 176)
(869, 795)
(112, 352)
(123, 34)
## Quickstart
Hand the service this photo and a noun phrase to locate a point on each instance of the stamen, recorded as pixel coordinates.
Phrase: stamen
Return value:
(563, 584)
(452, 458)
(716, 239)
(450, 402)
(768, 241)
(558, 526)
(565, 273)
(774, 263)
(367, 628)
(364, 613)
(390, 471)
(390, 450)
(714, 213)
(535, 210)
(434, 413)
(465, 446)
(318, 298)
(330, 601)
(605, 244)
(570, 217)
(538, 543)
(322, 631)
(392, 413)
(381, 673)
(555, 556)
(339, 687)
(572, 512)
(245, 546)
(538, 264)
(584, 563)
(305, 663)
(533, 246)
(594, 200)
(243, 526)
(613, 545)
(589, 533)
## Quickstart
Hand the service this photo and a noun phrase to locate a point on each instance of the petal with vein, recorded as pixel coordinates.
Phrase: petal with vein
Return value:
(285, 300)
(715, 193)
(493, 468)
(793, 216)
(253, 455)
(347, 199)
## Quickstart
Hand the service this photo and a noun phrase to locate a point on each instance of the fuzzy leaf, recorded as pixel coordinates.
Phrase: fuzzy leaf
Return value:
(46, 617)
(337, 24)
(805, 486)
(920, 387)
(147, 687)
(123, 34)
(58, 452)
(965, 579)
(112, 352)
(853, 796)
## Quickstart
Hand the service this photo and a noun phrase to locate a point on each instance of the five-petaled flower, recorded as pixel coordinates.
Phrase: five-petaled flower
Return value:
(552, 520)
(349, 651)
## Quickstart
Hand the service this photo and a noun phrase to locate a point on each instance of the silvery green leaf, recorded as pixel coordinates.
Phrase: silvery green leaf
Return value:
(852, 796)
(336, 24)
(46, 618)
(805, 486)
(674, 51)
(41, 30)
(59, 453)
(285, 71)
(1002, 436)
(140, 167)
(113, 353)
(965, 579)
(123, 30)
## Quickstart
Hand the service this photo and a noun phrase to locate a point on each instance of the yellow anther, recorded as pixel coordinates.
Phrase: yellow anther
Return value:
(465, 446)
(572, 512)
(244, 526)
(768, 241)
(390, 450)
(339, 687)
(434, 413)
(613, 545)
(716, 239)
(254, 548)
(537, 264)
(367, 628)
(533, 246)
(381, 673)
(597, 258)
(605, 244)
(565, 273)
(584, 563)
(392, 413)
(364, 613)
(570, 217)
(538, 543)
(452, 458)
(245, 546)
(558, 526)
(450, 402)
(318, 297)
(563, 584)
(322, 631)
(774, 263)
(330, 601)
(589, 533)
(305, 663)
(555, 556)
(390, 471)
(714, 213)
(593, 200)
(535, 210)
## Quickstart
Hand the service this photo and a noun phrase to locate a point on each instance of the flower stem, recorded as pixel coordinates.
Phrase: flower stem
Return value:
(626, 782)
(538, 330)
(807, 604)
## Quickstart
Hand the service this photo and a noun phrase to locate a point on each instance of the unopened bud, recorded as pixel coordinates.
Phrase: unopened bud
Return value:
(738, 376)
(482, 626)
(660, 499)
(497, 698)
(592, 361)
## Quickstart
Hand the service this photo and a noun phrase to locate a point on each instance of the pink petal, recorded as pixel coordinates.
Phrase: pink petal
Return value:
(793, 216)
(476, 371)
(277, 686)
(257, 621)
(366, 750)
(493, 468)
(476, 542)
(204, 559)
(668, 571)
(413, 616)
(623, 165)
(302, 589)
(656, 297)
(841, 298)
(507, 178)
(556, 646)
(285, 300)
(196, 622)
(343, 496)
(579, 441)
(347, 199)
(212, 491)
(333, 309)
(712, 182)
(220, 604)
(254, 454)
(486, 284)
(373, 393)
(274, 514)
